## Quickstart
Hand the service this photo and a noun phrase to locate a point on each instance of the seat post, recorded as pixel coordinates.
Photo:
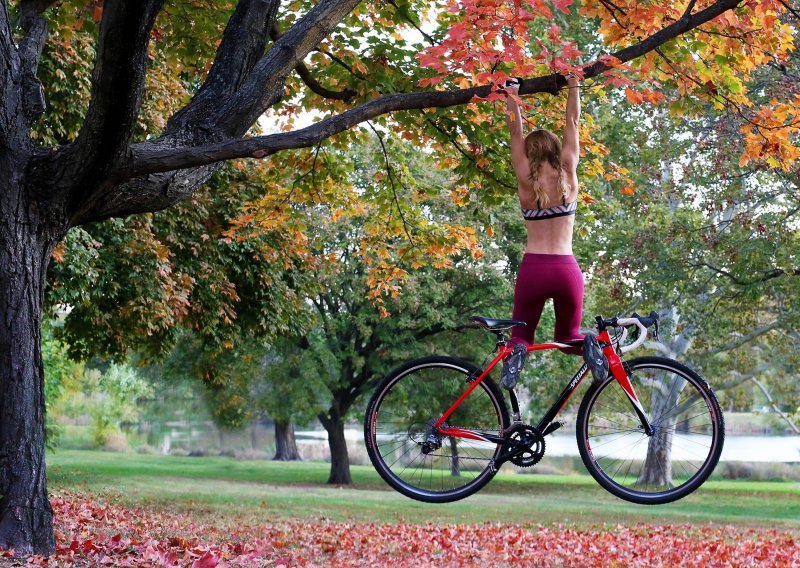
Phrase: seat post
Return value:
(501, 339)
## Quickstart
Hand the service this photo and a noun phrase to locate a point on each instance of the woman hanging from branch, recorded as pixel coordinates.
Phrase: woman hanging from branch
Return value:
(547, 185)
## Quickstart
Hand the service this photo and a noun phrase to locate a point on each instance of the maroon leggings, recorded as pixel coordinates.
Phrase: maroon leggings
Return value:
(544, 276)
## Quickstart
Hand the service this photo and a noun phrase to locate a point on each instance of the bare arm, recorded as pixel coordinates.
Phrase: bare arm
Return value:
(570, 151)
(514, 121)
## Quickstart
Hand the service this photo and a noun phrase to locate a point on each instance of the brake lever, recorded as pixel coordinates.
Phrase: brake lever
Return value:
(654, 314)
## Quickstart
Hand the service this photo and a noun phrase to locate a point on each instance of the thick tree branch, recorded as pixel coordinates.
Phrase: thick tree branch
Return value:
(145, 160)
(741, 378)
(791, 10)
(316, 87)
(79, 172)
(774, 406)
(169, 157)
(9, 65)
(264, 86)
(765, 276)
(684, 24)
(34, 26)
(743, 339)
(242, 45)
(118, 78)
(309, 79)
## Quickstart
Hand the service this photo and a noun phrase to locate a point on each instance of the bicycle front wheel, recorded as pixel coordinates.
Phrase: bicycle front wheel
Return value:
(402, 446)
(681, 452)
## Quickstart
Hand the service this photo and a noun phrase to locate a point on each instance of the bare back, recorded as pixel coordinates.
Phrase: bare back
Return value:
(548, 236)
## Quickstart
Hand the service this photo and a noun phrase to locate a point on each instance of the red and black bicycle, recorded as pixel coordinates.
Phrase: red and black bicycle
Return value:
(437, 429)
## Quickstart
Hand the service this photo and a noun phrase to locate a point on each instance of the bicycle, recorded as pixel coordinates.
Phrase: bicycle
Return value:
(437, 429)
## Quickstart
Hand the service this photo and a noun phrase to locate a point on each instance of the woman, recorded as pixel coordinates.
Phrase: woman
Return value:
(547, 185)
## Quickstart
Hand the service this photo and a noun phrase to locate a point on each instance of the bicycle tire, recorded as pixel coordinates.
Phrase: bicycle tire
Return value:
(677, 458)
(413, 396)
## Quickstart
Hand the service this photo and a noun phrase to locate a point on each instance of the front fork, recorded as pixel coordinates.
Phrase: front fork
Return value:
(621, 375)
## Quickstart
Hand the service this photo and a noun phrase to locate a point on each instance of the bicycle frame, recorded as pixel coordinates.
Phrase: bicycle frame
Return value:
(615, 365)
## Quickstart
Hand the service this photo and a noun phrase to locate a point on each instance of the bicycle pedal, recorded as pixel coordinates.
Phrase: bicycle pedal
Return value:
(552, 427)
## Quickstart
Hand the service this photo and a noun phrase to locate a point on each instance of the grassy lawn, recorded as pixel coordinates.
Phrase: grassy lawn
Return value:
(230, 492)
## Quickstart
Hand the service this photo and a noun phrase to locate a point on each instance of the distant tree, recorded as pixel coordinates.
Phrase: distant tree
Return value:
(289, 390)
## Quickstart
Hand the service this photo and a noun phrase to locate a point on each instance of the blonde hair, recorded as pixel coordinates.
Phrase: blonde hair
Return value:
(543, 146)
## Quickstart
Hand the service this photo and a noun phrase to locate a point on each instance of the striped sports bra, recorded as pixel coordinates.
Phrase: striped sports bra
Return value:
(550, 212)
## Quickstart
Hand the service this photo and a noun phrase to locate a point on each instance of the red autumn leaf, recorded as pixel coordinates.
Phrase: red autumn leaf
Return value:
(562, 5)
(208, 560)
(83, 529)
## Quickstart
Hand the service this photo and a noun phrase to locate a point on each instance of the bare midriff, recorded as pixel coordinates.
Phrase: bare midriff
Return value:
(550, 236)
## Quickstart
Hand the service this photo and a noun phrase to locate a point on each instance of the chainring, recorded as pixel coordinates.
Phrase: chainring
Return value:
(531, 437)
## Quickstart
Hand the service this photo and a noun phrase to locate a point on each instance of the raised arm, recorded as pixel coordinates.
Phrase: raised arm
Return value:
(570, 146)
(514, 121)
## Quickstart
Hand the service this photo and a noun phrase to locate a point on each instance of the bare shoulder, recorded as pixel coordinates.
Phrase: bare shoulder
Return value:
(520, 162)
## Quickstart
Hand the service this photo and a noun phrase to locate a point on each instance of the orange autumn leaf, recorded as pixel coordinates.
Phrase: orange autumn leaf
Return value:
(634, 97)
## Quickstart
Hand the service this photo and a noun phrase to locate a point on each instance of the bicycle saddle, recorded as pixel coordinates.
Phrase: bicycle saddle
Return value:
(496, 324)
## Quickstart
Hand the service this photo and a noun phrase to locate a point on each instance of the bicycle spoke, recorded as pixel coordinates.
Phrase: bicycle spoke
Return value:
(682, 449)
(409, 455)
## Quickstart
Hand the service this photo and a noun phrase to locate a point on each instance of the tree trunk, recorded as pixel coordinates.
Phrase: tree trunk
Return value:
(340, 461)
(28, 233)
(657, 468)
(285, 444)
(658, 463)
(455, 469)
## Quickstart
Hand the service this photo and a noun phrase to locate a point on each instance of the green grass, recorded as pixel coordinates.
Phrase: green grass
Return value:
(229, 492)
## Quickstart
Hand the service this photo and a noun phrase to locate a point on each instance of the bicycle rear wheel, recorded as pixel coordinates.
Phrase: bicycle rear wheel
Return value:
(684, 448)
(399, 418)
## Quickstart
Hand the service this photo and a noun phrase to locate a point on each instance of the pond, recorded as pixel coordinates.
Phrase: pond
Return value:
(785, 449)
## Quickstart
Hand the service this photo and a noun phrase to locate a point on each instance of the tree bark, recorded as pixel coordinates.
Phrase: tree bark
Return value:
(455, 468)
(285, 444)
(340, 460)
(657, 468)
(28, 233)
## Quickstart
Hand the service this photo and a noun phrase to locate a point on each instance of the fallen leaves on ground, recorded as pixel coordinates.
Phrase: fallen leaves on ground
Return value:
(91, 533)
